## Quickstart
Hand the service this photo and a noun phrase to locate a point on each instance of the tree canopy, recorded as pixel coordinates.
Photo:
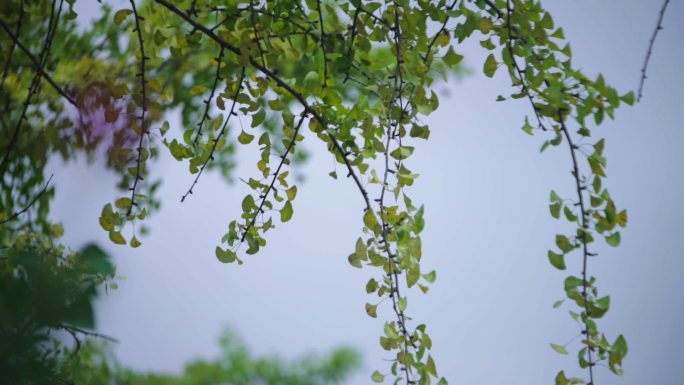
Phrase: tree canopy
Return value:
(359, 76)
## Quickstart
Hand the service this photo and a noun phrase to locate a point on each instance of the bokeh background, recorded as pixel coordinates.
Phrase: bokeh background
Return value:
(485, 187)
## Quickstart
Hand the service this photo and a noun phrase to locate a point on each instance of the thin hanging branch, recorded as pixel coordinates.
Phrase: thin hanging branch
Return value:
(143, 91)
(585, 228)
(283, 157)
(218, 137)
(393, 124)
(659, 26)
(205, 116)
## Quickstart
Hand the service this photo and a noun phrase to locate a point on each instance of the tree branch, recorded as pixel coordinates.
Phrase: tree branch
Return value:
(143, 88)
(659, 26)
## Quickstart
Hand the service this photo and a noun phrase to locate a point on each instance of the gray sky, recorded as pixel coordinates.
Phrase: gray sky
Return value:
(485, 188)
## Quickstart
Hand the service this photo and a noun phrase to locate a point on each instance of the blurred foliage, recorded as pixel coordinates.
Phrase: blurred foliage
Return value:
(46, 293)
(95, 364)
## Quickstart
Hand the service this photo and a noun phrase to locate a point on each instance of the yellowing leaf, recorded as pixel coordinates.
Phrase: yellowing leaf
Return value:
(121, 15)
(286, 212)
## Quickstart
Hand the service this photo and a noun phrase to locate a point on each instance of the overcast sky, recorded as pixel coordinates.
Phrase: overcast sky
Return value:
(485, 187)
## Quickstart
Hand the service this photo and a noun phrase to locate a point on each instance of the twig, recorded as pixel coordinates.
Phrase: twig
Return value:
(585, 251)
(143, 130)
(657, 29)
(205, 116)
(74, 329)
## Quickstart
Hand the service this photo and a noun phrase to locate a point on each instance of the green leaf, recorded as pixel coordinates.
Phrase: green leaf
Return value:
(248, 203)
(490, 66)
(372, 310)
(412, 276)
(402, 303)
(259, 117)
(628, 98)
(564, 244)
(291, 193)
(371, 221)
(527, 128)
(135, 242)
(555, 209)
(377, 377)
(402, 152)
(620, 346)
(613, 239)
(430, 366)
(121, 15)
(431, 276)
(557, 260)
(245, 138)
(559, 348)
(286, 212)
(371, 286)
(225, 256)
(117, 238)
(452, 58)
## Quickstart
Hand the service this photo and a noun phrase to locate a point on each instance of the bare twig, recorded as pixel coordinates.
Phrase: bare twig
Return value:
(205, 116)
(659, 26)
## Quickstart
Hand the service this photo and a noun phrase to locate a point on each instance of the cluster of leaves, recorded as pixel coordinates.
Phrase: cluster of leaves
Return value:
(358, 74)
(96, 365)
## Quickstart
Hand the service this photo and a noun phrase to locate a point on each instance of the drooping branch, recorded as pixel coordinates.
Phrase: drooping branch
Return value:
(649, 51)
(218, 137)
(143, 91)
(585, 228)
(207, 102)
